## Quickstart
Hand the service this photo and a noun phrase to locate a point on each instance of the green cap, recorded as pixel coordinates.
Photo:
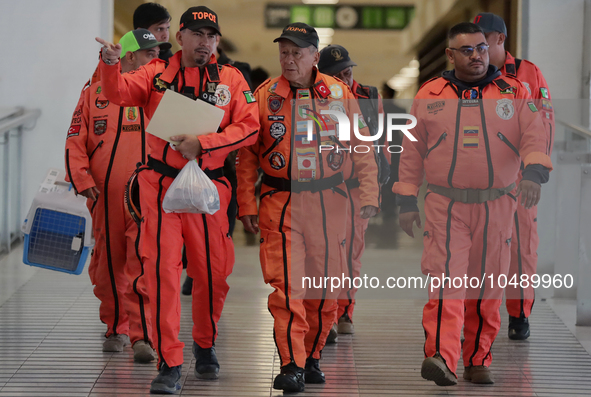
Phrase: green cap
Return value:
(140, 39)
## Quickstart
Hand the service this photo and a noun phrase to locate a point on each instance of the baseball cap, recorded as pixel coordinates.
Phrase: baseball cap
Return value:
(490, 22)
(300, 34)
(140, 39)
(200, 17)
(333, 59)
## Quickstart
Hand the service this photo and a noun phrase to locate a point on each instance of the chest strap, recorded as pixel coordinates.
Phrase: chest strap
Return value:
(286, 185)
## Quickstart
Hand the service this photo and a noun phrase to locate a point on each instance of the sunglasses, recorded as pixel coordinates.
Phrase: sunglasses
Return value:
(468, 51)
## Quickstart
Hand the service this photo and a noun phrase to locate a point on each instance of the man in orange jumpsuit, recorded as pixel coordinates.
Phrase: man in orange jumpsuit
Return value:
(335, 61)
(104, 144)
(524, 255)
(195, 73)
(474, 128)
(304, 205)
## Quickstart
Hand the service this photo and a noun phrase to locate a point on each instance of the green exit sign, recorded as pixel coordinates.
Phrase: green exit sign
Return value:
(368, 17)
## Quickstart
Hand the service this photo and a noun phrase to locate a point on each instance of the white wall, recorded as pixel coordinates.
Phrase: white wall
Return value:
(48, 53)
(554, 41)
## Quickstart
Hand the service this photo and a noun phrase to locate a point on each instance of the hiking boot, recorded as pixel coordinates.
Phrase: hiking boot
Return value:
(143, 352)
(518, 328)
(187, 288)
(115, 343)
(167, 381)
(290, 379)
(478, 374)
(206, 366)
(435, 369)
(333, 335)
(312, 372)
(345, 325)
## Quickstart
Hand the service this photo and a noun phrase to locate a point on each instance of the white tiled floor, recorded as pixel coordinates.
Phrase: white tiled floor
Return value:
(50, 340)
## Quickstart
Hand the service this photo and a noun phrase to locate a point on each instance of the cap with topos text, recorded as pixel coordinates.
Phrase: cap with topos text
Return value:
(300, 34)
(200, 17)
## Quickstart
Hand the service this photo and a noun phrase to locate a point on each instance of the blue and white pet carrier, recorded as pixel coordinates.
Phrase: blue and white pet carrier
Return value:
(58, 228)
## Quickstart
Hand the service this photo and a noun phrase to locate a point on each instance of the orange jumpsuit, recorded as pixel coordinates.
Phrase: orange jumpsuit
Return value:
(468, 138)
(104, 144)
(209, 248)
(356, 226)
(304, 206)
(524, 257)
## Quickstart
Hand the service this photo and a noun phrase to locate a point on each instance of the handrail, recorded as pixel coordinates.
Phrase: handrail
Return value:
(14, 122)
(577, 129)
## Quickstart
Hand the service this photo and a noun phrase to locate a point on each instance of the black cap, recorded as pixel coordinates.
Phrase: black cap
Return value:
(199, 17)
(333, 59)
(300, 34)
(490, 22)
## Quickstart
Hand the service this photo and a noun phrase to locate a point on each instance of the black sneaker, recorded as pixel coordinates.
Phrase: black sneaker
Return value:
(291, 379)
(518, 328)
(167, 381)
(206, 366)
(333, 335)
(313, 372)
(187, 286)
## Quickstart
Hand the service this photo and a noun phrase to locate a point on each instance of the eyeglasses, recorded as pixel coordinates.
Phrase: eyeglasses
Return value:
(468, 51)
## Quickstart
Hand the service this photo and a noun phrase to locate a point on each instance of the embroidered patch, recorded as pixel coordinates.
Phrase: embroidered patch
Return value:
(277, 130)
(435, 107)
(505, 109)
(101, 104)
(336, 91)
(249, 97)
(532, 107)
(74, 130)
(470, 138)
(100, 126)
(275, 103)
(544, 92)
(277, 160)
(222, 95)
(131, 113)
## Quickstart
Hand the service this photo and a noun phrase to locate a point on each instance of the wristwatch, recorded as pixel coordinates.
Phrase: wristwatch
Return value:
(107, 61)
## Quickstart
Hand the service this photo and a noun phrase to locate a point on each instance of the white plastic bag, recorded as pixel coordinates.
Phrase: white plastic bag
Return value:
(192, 191)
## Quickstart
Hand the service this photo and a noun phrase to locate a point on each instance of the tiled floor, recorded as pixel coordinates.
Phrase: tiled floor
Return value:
(50, 342)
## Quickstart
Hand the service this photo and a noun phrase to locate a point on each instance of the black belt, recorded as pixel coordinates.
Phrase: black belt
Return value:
(286, 185)
(471, 196)
(172, 172)
(352, 183)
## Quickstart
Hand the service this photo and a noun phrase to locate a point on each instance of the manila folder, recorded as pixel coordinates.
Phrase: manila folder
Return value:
(177, 114)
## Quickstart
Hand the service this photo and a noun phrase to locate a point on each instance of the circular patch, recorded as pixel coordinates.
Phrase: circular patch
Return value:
(527, 86)
(335, 159)
(101, 104)
(337, 107)
(336, 91)
(505, 109)
(277, 130)
(277, 160)
(222, 95)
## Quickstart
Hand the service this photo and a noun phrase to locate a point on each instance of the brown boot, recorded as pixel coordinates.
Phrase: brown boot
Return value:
(435, 369)
(478, 374)
(345, 325)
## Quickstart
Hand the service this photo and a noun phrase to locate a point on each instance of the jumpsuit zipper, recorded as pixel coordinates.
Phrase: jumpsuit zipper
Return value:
(273, 146)
(491, 175)
(441, 138)
(95, 149)
(320, 166)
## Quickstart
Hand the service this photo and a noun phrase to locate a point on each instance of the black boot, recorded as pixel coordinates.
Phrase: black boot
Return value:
(187, 286)
(518, 328)
(291, 379)
(206, 366)
(167, 381)
(313, 372)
